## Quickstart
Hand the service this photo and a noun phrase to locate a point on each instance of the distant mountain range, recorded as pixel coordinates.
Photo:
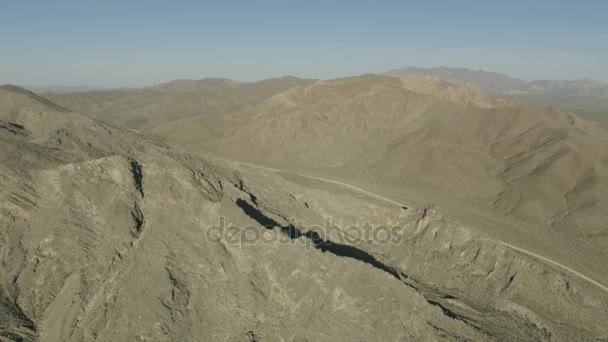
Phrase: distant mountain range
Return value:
(588, 98)
(65, 89)
(145, 108)
(500, 84)
(490, 82)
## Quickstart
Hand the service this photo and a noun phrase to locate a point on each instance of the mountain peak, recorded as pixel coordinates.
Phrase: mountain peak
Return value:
(26, 95)
(15, 88)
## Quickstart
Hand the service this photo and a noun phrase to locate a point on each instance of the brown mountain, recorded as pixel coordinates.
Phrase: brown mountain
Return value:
(490, 82)
(587, 98)
(143, 109)
(539, 164)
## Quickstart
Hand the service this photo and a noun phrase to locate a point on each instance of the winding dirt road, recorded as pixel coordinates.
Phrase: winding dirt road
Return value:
(352, 187)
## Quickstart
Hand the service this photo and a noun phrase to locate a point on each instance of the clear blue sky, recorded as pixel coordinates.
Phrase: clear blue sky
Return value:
(132, 43)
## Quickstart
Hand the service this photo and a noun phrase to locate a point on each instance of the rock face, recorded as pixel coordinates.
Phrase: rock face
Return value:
(110, 235)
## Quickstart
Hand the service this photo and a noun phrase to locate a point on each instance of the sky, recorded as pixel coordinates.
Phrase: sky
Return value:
(131, 43)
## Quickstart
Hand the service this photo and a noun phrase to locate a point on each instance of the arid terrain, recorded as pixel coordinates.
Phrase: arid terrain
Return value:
(366, 208)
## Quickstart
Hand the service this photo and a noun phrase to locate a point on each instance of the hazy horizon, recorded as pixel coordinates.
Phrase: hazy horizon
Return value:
(101, 87)
(116, 44)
